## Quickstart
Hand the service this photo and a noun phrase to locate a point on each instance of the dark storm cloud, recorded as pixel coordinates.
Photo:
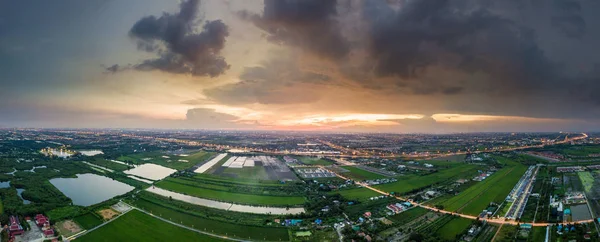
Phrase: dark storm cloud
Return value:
(309, 24)
(180, 48)
(478, 53)
(568, 18)
(441, 33)
(278, 81)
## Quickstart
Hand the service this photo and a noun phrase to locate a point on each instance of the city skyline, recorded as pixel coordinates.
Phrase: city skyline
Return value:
(360, 66)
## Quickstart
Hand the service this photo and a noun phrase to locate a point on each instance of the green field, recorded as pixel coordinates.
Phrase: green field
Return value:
(137, 226)
(453, 158)
(360, 174)
(454, 227)
(587, 180)
(88, 220)
(412, 182)
(215, 226)
(236, 181)
(409, 215)
(361, 194)
(171, 162)
(240, 198)
(537, 233)
(314, 161)
(496, 193)
(500, 177)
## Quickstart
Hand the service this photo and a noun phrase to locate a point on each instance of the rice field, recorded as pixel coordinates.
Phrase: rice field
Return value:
(215, 226)
(360, 174)
(138, 226)
(410, 183)
(361, 194)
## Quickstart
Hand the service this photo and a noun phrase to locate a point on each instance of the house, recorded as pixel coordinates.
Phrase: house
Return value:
(367, 214)
(41, 220)
(48, 232)
(428, 165)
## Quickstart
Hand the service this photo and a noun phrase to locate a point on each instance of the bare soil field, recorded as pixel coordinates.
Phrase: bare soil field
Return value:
(108, 213)
(68, 227)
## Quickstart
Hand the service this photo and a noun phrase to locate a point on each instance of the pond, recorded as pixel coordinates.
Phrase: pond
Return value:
(5, 184)
(151, 171)
(19, 191)
(88, 189)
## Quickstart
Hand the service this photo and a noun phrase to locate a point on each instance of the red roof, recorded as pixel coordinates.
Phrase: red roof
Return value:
(41, 219)
(49, 232)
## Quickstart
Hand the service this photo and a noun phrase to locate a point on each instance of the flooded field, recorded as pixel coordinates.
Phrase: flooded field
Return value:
(224, 205)
(88, 189)
(151, 171)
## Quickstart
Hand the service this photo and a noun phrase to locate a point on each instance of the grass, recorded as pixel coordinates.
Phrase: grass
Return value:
(538, 234)
(214, 226)
(506, 233)
(496, 193)
(137, 226)
(454, 227)
(410, 183)
(88, 220)
(231, 197)
(409, 215)
(361, 194)
(478, 189)
(360, 174)
(453, 158)
(314, 161)
(587, 180)
(171, 162)
(236, 181)
(63, 232)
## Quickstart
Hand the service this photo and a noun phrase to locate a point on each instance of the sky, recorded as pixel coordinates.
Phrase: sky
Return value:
(400, 66)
